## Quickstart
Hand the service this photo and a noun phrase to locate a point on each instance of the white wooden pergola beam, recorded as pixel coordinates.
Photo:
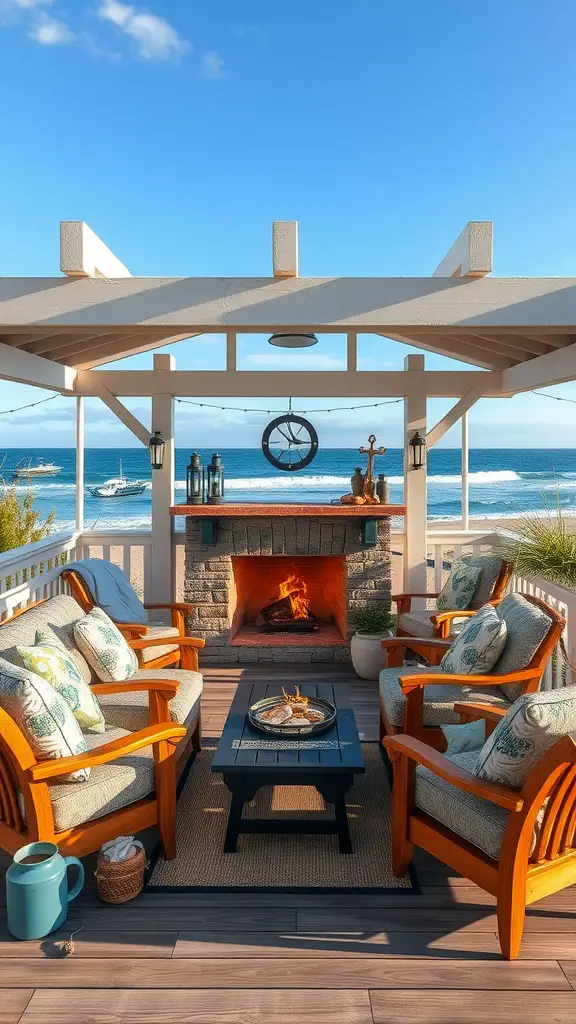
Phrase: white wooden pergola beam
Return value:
(376, 305)
(287, 383)
(83, 254)
(50, 343)
(41, 373)
(471, 254)
(131, 345)
(452, 416)
(446, 345)
(124, 415)
(553, 368)
(285, 248)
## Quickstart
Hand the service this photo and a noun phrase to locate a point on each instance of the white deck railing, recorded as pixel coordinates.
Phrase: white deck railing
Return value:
(31, 573)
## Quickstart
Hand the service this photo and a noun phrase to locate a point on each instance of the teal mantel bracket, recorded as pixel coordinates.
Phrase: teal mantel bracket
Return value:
(369, 532)
(209, 531)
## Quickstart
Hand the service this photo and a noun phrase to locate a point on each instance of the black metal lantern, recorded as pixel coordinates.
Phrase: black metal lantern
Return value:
(156, 447)
(215, 481)
(417, 445)
(195, 481)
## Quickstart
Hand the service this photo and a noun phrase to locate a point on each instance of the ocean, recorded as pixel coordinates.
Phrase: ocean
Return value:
(503, 482)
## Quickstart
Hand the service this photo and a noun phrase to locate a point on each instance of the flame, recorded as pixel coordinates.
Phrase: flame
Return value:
(296, 590)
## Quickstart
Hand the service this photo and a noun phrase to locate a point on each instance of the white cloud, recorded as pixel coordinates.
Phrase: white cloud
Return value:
(49, 31)
(211, 65)
(154, 37)
(295, 361)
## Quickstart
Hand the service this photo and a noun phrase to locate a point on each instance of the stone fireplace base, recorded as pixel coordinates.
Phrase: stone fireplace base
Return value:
(213, 572)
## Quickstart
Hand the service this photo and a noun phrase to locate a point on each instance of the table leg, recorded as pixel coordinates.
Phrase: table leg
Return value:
(334, 792)
(234, 822)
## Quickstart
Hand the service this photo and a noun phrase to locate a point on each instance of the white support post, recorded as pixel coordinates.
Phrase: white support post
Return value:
(352, 351)
(79, 465)
(415, 490)
(231, 351)
(161, 584)
(465, 486)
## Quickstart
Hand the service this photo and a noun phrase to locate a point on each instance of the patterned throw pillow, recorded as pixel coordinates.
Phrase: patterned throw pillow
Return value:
(50, 660)
(462, 738)
(43, 716)
(458, 591)
(104, 647)
(533, 724)
(478, 647)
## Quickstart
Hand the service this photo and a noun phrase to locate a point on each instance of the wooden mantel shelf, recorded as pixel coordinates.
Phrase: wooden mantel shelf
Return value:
(228, 509)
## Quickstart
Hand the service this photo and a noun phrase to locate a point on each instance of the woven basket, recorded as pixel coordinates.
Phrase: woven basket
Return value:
(120, 881)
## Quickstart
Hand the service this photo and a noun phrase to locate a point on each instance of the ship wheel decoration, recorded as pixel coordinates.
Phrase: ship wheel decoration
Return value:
(290, 442)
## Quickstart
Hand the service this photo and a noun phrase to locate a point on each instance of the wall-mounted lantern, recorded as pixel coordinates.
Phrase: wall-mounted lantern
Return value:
(156, 447)
(417, 446)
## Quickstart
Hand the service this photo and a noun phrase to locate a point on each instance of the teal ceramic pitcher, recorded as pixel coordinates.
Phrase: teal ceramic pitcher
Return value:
(37, 894)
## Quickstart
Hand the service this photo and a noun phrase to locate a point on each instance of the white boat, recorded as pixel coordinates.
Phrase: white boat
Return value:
(119, 487)
(40, 469)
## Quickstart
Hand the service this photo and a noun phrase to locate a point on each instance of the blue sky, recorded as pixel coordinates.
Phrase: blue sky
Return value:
(179, 131)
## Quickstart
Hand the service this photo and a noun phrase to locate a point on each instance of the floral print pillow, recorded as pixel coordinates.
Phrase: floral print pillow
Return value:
(104, 647)
(532, 725)
(478, 647)
(458, 591)
(43, 716)
(50, 660)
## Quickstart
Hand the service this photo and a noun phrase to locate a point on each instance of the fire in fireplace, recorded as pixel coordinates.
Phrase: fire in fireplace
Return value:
(300, 598)
(289, 612)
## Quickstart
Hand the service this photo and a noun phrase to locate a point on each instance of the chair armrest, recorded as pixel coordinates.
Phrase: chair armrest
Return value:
(487, 712)
(134, 629)
(174, 641)
(52, 769)
(401, 597)
(169, 687)
(466, 613)
(441, 678)
(421, 753)
(180, 606)
(428, 648)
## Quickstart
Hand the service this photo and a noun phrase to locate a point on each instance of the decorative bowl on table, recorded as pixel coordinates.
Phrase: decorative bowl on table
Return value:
(292, 715)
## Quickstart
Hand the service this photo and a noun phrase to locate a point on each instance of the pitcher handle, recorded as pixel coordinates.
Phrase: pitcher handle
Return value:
(74, 862)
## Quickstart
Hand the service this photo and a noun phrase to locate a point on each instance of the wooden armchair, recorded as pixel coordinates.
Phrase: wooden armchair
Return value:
(168, 652)
(439, 624)
(188, 647)
(537, 840)
(21, 773)
(405, 707)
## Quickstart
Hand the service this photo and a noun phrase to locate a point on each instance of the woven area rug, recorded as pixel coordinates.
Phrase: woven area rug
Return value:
(282, 862)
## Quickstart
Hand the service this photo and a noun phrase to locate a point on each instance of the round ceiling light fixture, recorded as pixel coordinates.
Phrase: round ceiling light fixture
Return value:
(293, 340)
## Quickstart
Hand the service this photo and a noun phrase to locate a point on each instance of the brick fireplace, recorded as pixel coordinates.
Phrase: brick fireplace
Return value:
(238, 556)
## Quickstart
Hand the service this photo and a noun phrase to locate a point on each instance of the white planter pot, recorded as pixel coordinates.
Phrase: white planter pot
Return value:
(368, 658)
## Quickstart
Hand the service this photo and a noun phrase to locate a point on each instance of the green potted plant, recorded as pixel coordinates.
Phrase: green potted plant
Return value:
(372, 624)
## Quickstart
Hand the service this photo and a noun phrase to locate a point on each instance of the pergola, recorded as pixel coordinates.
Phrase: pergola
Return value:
(55, 333)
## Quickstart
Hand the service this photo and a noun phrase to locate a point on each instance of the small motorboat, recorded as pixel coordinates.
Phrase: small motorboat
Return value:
(42, 468)
(118, 487)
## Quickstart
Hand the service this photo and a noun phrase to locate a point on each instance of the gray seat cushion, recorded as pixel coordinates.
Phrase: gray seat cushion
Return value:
(483, 824)
(419, 623)
(110, 786)
(438, 700)
(131, 710)
(527, 626)
(156, 631)
(60, 614)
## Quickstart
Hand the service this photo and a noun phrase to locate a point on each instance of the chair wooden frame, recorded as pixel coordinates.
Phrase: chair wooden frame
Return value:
(528, 868)
(413, 685)
(136, 630)
(442, 621)
(20, 772)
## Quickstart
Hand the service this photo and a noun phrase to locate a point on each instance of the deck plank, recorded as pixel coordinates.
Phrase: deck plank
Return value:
(415, 1007)
(13, 1002)
(313, 973)
(468, 945)
(62, 1006)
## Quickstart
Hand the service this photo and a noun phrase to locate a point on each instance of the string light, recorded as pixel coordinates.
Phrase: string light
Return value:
(557, 398)
(299, 412)
(6, 412)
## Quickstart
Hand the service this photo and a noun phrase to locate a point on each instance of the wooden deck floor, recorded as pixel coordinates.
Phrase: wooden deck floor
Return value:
(283, 959)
